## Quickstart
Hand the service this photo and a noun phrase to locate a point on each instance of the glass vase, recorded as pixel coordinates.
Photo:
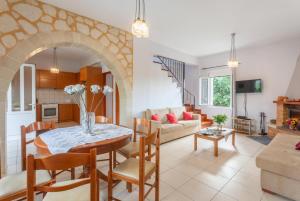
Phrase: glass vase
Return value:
(88, 122)
(91, 121)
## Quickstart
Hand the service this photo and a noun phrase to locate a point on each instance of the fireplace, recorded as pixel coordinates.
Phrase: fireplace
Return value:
(286, 109)
(293, 111)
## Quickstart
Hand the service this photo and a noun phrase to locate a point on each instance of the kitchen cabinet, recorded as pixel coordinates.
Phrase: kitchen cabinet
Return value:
(48, 80)
(65, 113)
(89, 76)
(65, 78)
(76, 113)
(68, 112)
(38, 112)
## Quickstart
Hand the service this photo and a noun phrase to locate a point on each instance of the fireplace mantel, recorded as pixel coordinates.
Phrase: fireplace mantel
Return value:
(287, 102)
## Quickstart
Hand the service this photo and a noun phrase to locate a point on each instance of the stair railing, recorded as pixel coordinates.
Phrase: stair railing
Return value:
(176, 70)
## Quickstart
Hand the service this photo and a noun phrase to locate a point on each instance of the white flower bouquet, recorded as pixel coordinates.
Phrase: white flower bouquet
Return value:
(77, 91)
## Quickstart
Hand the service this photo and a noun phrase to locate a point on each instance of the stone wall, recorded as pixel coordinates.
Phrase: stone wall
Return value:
(29, 26)
(21, 19)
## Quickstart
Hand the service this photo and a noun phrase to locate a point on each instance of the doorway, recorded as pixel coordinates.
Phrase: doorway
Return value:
(21, 110)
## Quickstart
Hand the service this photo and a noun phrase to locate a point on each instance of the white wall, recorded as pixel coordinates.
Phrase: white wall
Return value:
(274, 64)
(293, 89)
(152, 88)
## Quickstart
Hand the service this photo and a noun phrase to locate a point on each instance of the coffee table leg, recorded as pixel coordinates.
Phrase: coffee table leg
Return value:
(233, 138)
(195, 142)
(216, 149)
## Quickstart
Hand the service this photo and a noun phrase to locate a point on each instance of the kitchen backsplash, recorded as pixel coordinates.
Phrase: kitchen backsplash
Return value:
(52, 96)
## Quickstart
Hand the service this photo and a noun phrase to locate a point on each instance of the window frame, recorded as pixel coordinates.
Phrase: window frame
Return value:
(211, 92)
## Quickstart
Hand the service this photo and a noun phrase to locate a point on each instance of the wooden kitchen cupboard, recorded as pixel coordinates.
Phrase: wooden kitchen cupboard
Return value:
(38, 112)
(90, 76)
(65, 78)
(47, 80)
(65, 113)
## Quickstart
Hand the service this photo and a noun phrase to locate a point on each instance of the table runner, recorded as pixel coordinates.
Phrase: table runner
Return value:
(61, 140)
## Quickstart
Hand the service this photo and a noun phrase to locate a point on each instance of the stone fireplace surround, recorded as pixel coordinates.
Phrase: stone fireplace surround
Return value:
(285, 109)
(29, 27)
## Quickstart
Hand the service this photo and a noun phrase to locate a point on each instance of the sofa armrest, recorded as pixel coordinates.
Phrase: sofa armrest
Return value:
(155, 125)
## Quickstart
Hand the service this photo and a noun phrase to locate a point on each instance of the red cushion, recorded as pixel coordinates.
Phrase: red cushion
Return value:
(297, 147)
(172, 119)
(187, 116)
(155, 117)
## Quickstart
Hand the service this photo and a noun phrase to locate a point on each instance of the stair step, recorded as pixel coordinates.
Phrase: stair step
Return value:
(205, 124)
(203, 116)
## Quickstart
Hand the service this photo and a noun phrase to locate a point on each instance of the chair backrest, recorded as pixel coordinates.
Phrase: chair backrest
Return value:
(103, 120)
(61, 162)
(36, 126)
(153, 138)
(141, 126)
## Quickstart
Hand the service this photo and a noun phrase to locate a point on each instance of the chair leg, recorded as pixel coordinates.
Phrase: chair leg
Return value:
(129, 187)
(114, 159)
(141, 191)
(157, 184)
(72, 173)
(110, 182)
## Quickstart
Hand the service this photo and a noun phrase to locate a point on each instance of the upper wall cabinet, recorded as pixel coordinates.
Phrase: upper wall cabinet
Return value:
(47, 80)
(65, 79)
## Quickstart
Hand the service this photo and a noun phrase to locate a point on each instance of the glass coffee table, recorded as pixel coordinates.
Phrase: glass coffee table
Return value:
(215, 136)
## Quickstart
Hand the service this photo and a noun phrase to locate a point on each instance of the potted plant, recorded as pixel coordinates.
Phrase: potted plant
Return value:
(220, 119)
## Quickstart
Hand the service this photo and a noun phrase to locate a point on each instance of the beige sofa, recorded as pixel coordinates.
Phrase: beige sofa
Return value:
(173, 131)
(280, 166)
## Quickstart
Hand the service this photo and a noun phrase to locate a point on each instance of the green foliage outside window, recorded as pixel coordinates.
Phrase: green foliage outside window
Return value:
(221, 91)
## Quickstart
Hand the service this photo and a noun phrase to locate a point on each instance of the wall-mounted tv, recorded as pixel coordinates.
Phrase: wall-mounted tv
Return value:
(249, 86)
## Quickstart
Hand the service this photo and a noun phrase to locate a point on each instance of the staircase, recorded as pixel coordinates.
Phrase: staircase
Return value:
(176, 71)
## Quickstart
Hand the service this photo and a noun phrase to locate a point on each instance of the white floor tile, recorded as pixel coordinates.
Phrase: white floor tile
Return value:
(223, 197)
(197, 191)
(174, 178)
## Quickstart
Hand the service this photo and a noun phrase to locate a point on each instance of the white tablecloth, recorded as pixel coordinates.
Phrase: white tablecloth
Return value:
(61, 140)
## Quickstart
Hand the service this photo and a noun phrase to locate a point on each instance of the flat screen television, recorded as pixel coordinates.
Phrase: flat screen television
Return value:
(249, 86)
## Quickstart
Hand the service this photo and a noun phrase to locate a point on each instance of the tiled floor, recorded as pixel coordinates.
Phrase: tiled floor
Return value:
(199, 176)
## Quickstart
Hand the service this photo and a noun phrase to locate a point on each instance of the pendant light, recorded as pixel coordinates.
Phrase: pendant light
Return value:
(139, 27)
(55, 67)
(233, 62)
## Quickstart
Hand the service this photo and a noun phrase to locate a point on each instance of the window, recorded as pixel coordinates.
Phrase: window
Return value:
(216, 91)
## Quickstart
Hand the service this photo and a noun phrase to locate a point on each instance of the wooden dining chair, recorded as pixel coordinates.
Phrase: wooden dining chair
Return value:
(140, 127)
(38, 128)
(103, 120)
(72, 190)
(14, 186)
(139, 171)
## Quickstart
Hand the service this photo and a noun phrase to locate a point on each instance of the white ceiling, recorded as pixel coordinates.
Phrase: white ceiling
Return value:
(70, 59)
(200, 27)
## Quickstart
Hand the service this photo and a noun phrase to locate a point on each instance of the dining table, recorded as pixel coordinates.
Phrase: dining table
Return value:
(105, 138)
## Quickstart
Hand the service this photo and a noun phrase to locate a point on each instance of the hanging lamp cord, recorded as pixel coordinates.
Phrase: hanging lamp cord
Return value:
(138, 14)
(144, 10)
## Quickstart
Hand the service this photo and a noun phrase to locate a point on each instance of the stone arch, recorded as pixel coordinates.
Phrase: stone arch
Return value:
(10, 63)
